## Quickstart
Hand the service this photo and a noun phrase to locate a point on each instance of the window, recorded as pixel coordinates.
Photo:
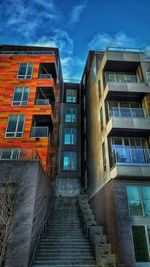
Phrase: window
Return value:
(70, 136)
(10, 153)
(138, 200)
(25, 71)
(148, 76)
(69, 161)
(20, 97)
(101, 118)
(141, 242)
(104, 156)
(71, 115)
(99, 88)
(71, 96)
(15, 126)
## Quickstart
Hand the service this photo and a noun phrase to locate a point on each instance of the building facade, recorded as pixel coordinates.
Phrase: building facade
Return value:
(69, 170)
(115, 149)
(31, 82)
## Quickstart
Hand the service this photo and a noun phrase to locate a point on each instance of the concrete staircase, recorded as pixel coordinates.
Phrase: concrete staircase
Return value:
(64, 243)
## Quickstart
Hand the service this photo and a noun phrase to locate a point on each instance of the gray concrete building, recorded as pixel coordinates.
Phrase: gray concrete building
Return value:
(115, 91)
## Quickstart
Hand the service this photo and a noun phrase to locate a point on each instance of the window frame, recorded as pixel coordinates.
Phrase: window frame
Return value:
(16, 126)
(72, 96)
(71, 137)
(12, 150)
(147, 240)
(25, 76)
(65, 112)
(141, 201)
(72, 170)
(21, 101)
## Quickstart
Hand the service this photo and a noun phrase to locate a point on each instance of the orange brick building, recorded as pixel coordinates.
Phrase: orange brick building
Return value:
(30, 85)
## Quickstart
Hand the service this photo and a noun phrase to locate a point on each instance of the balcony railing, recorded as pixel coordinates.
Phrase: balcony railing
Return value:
(39, 132)
(42, 102)
(18, 154)
(124, 156)
(45, 76)
(120, 77)
(127, 112)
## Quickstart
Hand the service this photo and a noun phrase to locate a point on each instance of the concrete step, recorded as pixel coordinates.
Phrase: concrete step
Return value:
(63, 262)
(66, 265)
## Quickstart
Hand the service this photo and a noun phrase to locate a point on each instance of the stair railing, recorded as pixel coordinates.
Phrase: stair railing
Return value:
(102, 250)
(42, 230)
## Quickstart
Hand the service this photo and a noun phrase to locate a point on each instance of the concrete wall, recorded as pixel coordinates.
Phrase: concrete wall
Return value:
(110, 207)
(33, 197)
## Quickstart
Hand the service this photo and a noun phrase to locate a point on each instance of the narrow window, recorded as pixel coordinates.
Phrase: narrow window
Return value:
(99, 88)
(20, 97)
(25, 71)
(101, 118)
(71, 96)
(69, 160)
(104, 156)
(10, 153)
(15, 126)
(70, 136)
(140, 243)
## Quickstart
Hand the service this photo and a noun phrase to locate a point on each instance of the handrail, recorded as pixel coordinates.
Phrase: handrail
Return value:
(27, 53)
(125, 49)
(128, 112)
(40, 131)
(41, 230)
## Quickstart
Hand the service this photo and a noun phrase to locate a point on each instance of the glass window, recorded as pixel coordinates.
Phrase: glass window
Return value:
(20, 97)
(99, 88)
(71, 115)
(101, 117)
(69, 161)
(145, 191)
(15, 126)
(70, 136)
(104, 156)
(25, 71)
(139, 200)
(134, 201)
(140, 243)
(10, 153)
(71, 96)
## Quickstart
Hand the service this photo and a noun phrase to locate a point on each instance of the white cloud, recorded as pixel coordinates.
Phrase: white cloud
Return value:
(76, 12)
(104, 40)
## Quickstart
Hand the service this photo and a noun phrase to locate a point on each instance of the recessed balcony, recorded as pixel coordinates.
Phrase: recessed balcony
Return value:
(42, 126)
(44, 96)
(47, 71)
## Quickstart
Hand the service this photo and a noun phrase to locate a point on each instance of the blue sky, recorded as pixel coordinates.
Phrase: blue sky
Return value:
(75, 26)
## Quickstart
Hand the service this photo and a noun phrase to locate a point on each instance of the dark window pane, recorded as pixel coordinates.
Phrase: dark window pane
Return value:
(145, 191)
(6, 154)
(140, 244)
(20, 123)
(69, 161)
(12, 123)
(134, 201)
(22, 69)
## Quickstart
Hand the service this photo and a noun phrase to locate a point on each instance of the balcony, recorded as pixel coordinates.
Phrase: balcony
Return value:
(45, 76)
(130, 156)
(44, 96)
(130, 162)
(47, 70)
(40, 132)
(128, 119)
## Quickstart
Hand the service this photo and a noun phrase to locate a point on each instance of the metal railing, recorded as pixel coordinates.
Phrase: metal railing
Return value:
(18, 154)
(42, 229)
(119, 77)
(39, 132)
(45, 76)
(42, 102)
(125, 49)
(27, 53)
(130, 156)
(128, 112)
